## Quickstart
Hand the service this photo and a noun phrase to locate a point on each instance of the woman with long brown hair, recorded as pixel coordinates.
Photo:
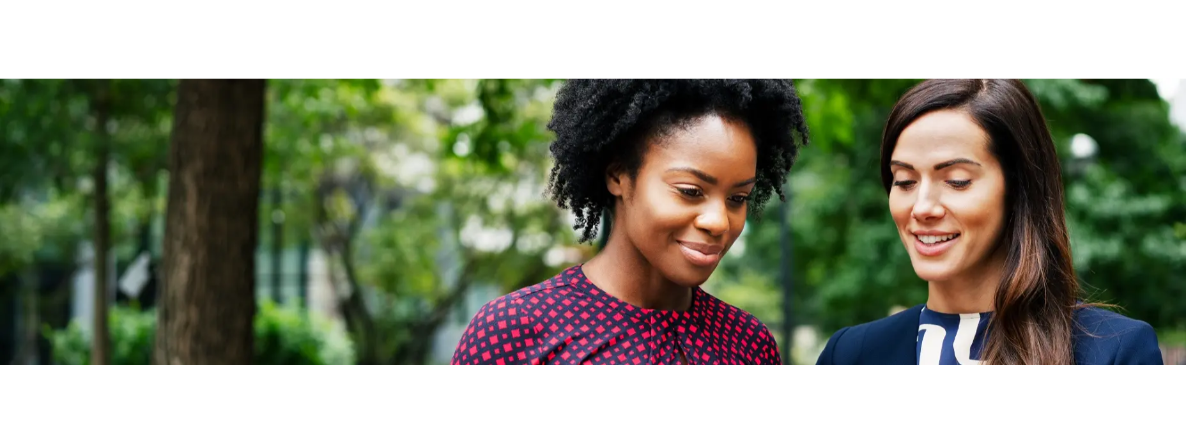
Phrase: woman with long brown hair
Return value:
(975, 192)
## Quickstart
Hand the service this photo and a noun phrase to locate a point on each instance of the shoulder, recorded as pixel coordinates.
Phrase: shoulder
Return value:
(1105, 337)
(846, 345)
(1102, 322)
(751, 331)
(542, 295)
(504, 330)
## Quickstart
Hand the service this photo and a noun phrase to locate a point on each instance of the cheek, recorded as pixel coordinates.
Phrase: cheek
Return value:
(900, 207)
(995, 221)
(736, 225)
(661, 211)
(982, 213)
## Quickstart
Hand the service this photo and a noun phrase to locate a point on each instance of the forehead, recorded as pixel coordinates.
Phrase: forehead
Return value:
(942, 135)
(710, 143)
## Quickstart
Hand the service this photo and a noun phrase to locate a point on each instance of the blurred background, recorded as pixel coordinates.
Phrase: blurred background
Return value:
(389, 211)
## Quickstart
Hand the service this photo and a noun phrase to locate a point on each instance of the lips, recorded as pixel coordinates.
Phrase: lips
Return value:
(707, 249)
(934, 243)
(700, 254)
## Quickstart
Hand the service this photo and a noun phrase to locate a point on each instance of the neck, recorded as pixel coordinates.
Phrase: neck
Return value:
(622, 271)
(974, 291)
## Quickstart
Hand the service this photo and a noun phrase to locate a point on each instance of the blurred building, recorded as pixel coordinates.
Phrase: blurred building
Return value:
(1178, 105)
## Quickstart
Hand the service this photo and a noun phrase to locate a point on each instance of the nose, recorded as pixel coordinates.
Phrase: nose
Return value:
(928, 207)
(714, 219)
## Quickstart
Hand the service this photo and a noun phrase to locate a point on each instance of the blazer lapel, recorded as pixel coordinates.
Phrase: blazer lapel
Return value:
(895, 342)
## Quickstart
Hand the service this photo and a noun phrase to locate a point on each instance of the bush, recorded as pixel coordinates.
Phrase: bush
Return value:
(284, 335)
(290, 336)
(132, 332)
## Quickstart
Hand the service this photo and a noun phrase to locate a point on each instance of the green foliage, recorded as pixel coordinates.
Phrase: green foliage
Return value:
(1124, 205)
(49, 131)
(283, 336)
(38, 230)
(48, 137)
(39, 125)
(25, 237)
(406, 240)
(1172, 337)
(513, 115)
(132, 332)
(312, 123)
(291, 336)
(319, 131)
(1061, 97)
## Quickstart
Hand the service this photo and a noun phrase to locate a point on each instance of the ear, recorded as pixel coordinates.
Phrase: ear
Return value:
(616, 180)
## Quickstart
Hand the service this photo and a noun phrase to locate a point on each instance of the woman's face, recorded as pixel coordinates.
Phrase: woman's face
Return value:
(687, 204)
(948, 196)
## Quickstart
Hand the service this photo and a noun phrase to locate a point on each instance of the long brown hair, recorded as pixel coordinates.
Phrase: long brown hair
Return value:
(1033, 309)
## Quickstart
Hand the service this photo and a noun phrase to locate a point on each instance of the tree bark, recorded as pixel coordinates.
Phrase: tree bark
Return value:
(212, 224)
(29, 292)
(337, 239)
(100, 343)
(417, 348)
(358, 318)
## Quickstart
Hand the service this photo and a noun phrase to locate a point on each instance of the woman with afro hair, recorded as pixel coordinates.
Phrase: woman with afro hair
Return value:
(674, 166)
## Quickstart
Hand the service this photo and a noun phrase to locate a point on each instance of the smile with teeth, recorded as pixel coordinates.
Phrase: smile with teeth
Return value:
(935, 239)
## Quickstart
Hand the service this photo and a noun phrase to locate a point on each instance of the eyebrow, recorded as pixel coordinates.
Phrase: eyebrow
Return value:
(941, 165)
(709, 178)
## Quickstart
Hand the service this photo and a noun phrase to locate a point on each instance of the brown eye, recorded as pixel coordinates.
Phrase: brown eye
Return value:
(905, 185)
(690, 192)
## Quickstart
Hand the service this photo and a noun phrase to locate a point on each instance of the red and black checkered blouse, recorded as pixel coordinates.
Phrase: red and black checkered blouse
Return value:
(569, 320)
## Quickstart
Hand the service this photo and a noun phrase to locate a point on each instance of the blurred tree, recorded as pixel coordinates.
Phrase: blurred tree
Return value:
(1125, 200)
(479, 218)
(318, 135)
(38, 120)
(398, 187)
(55, 134)
(208, 304)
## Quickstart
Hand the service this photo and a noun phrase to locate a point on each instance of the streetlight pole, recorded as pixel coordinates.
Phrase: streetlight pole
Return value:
(277, 241)
(784, 228)
(1083, 149)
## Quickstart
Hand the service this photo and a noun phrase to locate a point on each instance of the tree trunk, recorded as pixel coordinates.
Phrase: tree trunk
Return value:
(338, 239)
(148, 294)
(415, 350)
(29, 293)
(212, 224)
(277, 269)
(358, 318)
(100, 343)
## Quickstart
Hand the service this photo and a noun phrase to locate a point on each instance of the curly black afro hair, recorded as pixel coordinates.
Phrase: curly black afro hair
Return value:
(599, 123)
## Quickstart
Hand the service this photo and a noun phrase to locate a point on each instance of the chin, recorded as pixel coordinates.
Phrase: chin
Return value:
(933, 272)
(690, 277)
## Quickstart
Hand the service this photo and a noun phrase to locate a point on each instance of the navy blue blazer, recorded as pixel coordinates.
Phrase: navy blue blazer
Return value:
(1106, 338)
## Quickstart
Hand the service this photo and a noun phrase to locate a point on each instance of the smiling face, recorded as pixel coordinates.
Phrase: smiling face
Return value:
(687, 203)
(948, 196)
